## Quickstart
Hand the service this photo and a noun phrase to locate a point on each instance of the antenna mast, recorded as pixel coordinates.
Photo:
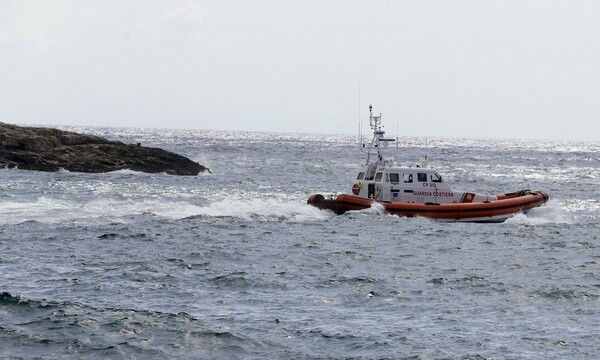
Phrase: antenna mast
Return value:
(378, 139)
(360, 137)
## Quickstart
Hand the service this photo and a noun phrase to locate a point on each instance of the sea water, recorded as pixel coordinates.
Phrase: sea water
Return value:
(235, 265)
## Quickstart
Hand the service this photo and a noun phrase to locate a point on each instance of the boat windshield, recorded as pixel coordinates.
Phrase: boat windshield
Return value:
(371, 172)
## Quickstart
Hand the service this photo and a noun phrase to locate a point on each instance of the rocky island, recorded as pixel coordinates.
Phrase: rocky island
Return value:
(47, 149)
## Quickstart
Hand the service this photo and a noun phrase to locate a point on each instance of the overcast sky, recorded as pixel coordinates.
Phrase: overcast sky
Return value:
(472, 68)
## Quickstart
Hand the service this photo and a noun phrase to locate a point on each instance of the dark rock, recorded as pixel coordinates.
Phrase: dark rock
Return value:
(46, 149)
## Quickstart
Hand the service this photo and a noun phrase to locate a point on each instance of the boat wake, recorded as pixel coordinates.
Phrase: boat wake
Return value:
(262, 210)
(101, 211)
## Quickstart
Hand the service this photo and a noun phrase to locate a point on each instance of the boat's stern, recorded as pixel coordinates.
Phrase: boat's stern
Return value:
(339, 204)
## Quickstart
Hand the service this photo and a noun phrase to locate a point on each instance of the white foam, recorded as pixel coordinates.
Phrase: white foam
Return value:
(376, 208)
(551, 213)
(269, 209)
(54, 211)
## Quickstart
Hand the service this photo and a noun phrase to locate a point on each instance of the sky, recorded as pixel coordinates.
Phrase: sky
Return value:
(526, 69)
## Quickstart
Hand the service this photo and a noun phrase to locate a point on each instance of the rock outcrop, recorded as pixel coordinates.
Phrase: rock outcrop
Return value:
(47, 149)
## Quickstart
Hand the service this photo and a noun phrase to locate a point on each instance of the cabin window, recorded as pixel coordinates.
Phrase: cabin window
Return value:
(422, 177)
(436, 178)
(407, 178)
(378, 176)
(361, 175)
(394, 178)
(371, 172)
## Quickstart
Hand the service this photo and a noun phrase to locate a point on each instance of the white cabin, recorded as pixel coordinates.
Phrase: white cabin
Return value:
(384, 181)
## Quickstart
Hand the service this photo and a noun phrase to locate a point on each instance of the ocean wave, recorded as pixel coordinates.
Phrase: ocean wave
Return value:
(57, 330)
(237, 265)
(576, 293)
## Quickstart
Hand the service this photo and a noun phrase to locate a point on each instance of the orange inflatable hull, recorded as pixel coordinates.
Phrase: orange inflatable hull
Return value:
(499, 210)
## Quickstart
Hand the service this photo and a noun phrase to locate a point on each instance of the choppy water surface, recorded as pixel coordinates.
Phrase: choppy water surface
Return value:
(236, 265)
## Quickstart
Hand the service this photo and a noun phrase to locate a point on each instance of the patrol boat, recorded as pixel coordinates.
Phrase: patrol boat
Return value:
(421, 191)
